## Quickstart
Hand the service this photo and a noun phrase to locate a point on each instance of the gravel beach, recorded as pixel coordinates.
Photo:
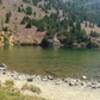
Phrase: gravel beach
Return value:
(55, 88)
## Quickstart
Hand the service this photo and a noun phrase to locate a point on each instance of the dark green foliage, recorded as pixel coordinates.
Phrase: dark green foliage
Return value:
(80, 9)
(28, 10)
(8, 15)
(19, 9)
(5, 29)
(98, 24)
(35, 2)
(67, 26)
(0, 1)
(29, 24)
(34, 14)
(94, 34)
(39, 24)
(25, 20)
(26, 1)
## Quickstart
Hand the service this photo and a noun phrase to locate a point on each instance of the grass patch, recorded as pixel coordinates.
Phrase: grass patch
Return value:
(32, 88)
(9, 83)
(6, 94)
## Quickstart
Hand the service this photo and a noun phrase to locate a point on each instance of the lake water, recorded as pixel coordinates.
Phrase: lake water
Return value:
(59, 62)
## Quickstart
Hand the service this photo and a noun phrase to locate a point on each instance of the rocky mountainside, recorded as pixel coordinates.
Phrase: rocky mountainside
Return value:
(67, 21)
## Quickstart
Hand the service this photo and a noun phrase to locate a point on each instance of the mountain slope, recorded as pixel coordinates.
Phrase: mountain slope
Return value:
(87, 9)
(33, 20)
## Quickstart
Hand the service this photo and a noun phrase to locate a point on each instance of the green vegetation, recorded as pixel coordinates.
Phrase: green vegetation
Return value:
(35, 2)
(28, 10)
(32, 88)
(60, 18)
(26, 1)
(94, 34)
(82, 10)
(66, 25)
(8, 15)
(0, 1)
(6, 94)
(9, 84)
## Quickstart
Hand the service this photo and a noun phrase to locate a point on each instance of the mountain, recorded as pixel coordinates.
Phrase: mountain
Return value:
(88, 9)
(32, 21)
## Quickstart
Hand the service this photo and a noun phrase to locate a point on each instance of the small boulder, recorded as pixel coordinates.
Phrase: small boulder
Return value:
(84, 77)
(3, 68)
(50, 77)
(29, 79)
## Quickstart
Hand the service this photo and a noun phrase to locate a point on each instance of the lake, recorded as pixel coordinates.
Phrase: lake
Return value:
(59, 62)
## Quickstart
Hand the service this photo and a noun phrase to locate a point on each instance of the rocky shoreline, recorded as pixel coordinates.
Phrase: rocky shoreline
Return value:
(52, 88)
(72, 82)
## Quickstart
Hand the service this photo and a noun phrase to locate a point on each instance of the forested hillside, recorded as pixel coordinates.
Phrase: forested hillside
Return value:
(50, 20)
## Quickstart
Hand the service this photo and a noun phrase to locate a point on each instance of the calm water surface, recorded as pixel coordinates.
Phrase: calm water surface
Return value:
(61, 62)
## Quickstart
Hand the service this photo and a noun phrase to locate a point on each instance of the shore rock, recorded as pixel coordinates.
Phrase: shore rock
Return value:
(84, 77)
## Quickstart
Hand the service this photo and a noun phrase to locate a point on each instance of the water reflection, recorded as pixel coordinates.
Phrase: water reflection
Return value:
(61, 62)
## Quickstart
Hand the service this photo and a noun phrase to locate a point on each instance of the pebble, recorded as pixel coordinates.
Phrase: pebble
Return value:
(58, 81)
(50, 77)
(29, 79)
(84, 77)
(44, 79)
